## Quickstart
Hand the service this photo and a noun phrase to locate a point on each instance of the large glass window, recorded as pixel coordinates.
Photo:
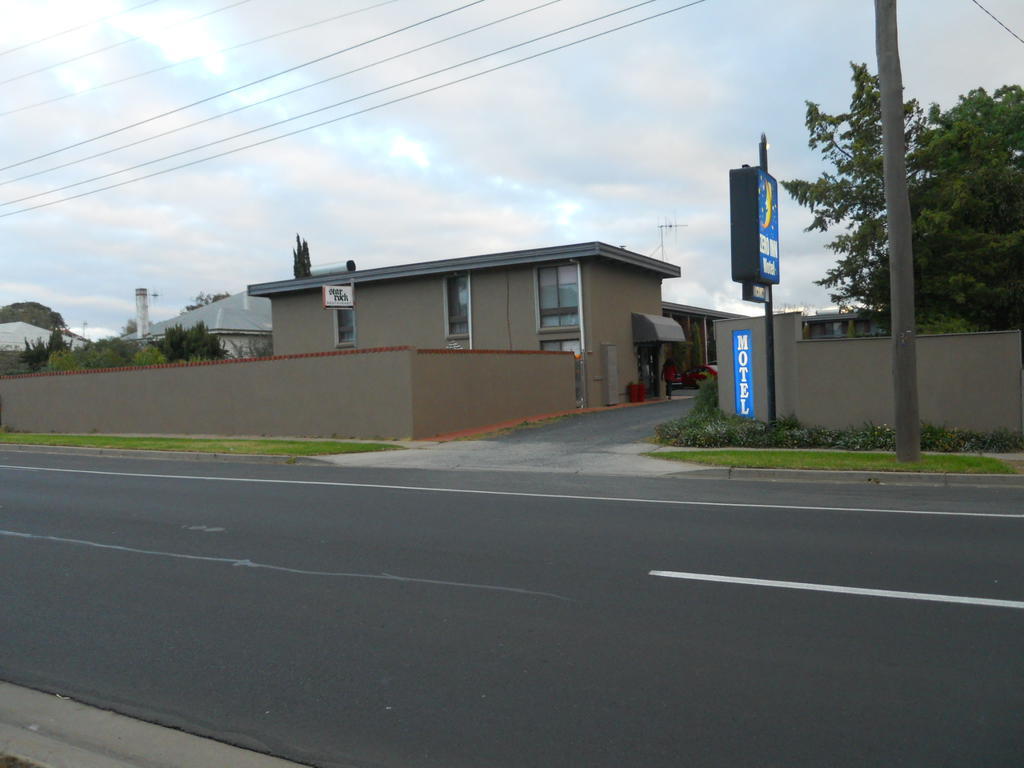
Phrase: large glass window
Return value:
(559, 296)
(456, 291)
(346, 326)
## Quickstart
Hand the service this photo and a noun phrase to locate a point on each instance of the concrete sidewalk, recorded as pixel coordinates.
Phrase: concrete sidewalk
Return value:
(51, 731)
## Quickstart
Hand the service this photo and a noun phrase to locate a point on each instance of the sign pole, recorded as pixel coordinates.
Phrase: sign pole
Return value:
(769, 324)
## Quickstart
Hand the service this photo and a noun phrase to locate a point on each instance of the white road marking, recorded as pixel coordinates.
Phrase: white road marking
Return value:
(841, 590)
(570, 497)
(244, 563)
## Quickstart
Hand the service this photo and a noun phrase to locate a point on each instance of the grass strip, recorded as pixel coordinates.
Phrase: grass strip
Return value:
(841, 460)
(267, 447)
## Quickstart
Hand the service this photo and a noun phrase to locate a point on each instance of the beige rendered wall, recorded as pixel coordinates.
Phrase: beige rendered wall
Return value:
(454, 391)
(611, 293)
(364, 395)
(408, 312)
(504, 309)
(301, 324)
(971, 381)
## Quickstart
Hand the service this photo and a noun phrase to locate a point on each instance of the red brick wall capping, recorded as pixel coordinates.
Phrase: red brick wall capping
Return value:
(232, 361)
(490, 352)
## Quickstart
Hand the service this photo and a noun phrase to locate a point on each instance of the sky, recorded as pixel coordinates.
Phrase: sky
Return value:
(626, 138)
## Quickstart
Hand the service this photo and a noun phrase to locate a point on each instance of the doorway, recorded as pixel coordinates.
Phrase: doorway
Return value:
(647, 368)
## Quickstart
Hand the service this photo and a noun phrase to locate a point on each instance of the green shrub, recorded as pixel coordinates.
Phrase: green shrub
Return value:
(707, 395)
(705, 428)
(149, 356)
(63, 360)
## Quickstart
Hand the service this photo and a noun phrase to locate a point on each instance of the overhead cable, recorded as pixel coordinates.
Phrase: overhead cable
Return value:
(193, 59)
(349, 115)
(278, 96)
(246, 85)
(997, 21)
(122, 42)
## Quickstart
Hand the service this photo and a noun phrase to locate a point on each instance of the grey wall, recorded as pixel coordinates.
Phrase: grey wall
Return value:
(971, 380)
(386, 393)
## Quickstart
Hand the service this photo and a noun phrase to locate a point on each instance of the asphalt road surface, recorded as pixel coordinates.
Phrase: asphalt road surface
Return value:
(373, 617)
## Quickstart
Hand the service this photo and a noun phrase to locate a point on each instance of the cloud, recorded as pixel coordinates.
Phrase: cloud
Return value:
(601, 141)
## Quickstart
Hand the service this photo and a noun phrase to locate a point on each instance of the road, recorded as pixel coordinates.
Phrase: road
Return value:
(377, 617)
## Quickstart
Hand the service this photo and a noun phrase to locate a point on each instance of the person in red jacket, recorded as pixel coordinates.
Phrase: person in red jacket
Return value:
(670, 374)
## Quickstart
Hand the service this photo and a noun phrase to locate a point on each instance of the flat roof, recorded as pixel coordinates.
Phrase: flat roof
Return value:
(668, 306)
(485, 261)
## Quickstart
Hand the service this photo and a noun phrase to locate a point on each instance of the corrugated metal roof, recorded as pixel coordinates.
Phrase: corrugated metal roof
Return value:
(13, 335)
(239, 313)
(490, 260)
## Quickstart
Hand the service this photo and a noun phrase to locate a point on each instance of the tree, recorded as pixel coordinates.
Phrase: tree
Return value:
(301, 266)
(196, 343)
(112, 352)
(33, 313)
(965, 173)
(202, 299)
(38, 353)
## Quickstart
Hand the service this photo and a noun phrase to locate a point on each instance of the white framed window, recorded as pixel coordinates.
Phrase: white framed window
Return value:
(558, 296)
(456, 305)
(345, 327)
(562, 345)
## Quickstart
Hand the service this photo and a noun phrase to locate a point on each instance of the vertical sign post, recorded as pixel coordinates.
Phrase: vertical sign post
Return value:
(768, 240)
(754, 224)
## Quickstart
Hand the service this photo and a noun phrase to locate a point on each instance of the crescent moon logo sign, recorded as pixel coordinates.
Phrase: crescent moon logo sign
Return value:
(767, 205)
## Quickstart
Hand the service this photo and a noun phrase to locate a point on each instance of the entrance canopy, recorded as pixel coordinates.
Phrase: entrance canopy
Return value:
(655, 329)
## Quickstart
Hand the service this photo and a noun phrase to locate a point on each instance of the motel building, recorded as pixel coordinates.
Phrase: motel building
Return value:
(600, 302)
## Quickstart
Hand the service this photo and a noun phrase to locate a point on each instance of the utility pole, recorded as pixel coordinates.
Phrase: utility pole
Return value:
(901, 254)
(769, 318)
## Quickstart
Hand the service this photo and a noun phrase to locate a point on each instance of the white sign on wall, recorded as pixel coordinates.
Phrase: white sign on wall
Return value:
(339, 297)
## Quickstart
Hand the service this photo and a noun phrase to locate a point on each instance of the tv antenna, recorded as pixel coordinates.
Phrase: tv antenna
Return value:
(661, 232)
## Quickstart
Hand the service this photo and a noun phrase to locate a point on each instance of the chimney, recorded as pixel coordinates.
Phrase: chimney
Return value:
(141, 313)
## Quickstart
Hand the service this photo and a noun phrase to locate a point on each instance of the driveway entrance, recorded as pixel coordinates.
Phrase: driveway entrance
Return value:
(607, 442)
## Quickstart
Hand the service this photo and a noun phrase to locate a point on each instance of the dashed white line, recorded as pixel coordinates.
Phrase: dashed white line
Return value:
(840, 589)
(518, 494)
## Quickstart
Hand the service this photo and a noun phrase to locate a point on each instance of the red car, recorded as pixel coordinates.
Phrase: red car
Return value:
(693, 377)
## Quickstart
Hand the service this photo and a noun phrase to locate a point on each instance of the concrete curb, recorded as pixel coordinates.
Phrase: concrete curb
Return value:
(56, 732)
(853, 476)
(250, 458)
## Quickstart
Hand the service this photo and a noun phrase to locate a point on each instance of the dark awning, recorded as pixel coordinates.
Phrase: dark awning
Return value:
(649, 329)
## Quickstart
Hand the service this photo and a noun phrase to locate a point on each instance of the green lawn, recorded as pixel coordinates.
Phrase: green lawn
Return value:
(842, 460)
(199, 445)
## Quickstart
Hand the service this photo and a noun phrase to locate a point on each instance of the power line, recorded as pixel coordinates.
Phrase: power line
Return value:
(122, 42)
(997, 21)
(75, 29)
(173, 64)
(350, 114)
(320, 109)
(246, 85)
(272, 98)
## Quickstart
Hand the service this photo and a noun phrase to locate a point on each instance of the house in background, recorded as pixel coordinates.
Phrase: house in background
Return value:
(13, 337)
(829, 324)
(241, 322)
(598, 301)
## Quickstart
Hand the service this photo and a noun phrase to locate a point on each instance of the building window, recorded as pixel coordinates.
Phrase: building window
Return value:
(561, 345)
(456, 295)
(559, 296)
(346, 326)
